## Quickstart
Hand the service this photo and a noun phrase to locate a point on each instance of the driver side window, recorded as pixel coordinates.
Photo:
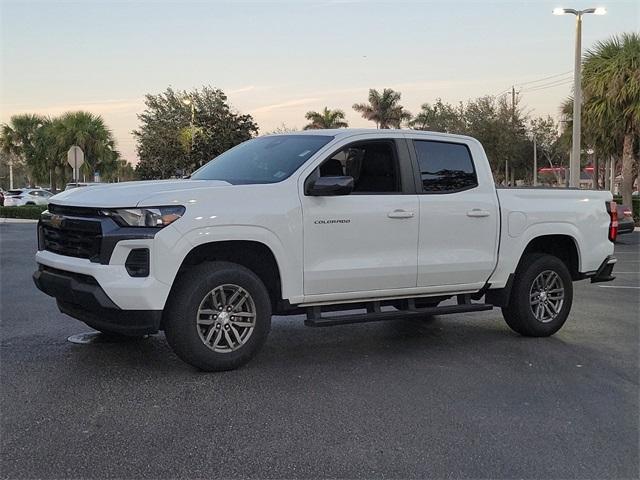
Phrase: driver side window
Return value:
(373, 166)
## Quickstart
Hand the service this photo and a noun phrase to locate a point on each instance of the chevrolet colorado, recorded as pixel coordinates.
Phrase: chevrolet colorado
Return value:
(391, 222)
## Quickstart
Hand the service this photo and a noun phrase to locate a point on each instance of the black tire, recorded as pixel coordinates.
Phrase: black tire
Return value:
(519, 314)
(181, 315)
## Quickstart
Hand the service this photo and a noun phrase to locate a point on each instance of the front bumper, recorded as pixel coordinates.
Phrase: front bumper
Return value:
(126, 292)
(81, 296)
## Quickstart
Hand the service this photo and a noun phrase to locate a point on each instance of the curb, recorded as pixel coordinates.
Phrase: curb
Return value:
(17, 220)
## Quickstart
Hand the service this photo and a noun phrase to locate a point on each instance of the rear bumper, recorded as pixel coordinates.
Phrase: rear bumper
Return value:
(626, 226)
(603, 274)
(81, 297)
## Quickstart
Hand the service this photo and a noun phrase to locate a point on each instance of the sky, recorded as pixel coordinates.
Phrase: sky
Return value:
(279, 59)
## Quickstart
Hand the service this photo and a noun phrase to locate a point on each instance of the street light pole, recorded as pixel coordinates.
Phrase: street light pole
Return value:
(574, 179)
(574, 167)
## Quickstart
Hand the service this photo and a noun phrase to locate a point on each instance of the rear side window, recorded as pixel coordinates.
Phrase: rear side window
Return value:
(445, 167)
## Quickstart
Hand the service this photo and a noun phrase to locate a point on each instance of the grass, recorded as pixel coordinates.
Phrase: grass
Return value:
(28, 211)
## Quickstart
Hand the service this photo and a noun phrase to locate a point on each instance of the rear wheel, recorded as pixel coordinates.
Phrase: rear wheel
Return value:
(218, 316)
(541, 296)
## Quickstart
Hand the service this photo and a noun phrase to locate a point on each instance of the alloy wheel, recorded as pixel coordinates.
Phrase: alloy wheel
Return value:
(226, 318)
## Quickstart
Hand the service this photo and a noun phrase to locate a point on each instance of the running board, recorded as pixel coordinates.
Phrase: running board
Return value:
(315, 319)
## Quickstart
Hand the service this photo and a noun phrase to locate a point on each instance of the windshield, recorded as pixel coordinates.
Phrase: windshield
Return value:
(268, 159)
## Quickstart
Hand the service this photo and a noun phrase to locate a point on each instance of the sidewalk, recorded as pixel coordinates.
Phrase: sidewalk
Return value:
(17, 220)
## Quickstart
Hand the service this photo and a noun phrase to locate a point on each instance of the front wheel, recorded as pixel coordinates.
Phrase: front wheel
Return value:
(218, 316)
(541, 296)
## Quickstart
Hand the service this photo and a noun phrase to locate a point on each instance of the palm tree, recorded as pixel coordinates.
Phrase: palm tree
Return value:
(18, 137)
(611, 86)
(325, 119)
(89, 132)
(383, 109)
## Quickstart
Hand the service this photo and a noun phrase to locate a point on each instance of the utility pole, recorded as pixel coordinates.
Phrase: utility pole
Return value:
(535, 161)
(513, 122)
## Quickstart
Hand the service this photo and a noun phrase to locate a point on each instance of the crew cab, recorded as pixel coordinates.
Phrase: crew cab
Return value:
(366, 224)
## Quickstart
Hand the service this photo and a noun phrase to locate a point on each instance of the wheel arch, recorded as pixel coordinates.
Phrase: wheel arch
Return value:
(563, 246)
(254, 255)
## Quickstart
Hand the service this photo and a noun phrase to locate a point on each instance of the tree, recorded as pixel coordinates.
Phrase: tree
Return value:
(383, 109)
(440, 117)
(501, 128)
(611, 86)
(17, 139)
(89, 132)
(549, 144)
(282, 129)
(166, 134)
(326, 119)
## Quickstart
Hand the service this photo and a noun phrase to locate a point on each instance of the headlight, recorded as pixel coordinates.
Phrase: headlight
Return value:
(145, 217)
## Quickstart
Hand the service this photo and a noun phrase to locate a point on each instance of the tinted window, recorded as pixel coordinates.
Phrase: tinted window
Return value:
(372, 165)
(445, 167)
(267, 159)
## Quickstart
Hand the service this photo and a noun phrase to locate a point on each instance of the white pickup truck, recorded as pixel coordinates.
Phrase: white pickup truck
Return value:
(390, 222)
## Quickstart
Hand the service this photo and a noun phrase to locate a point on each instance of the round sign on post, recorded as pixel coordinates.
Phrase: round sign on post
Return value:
(75, 158)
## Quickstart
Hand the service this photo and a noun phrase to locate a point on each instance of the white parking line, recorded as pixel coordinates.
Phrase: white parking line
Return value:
(615, 286)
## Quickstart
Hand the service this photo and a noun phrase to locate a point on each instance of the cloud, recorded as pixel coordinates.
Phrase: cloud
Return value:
(235, 91)
(287, 104)
(97, 107)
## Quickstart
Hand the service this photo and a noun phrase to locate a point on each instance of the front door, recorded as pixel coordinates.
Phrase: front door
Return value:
(367, 240)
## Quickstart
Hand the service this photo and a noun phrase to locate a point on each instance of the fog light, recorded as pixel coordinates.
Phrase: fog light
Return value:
(137, 263)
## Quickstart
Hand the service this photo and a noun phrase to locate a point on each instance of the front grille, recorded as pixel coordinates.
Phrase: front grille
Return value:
(73, 237)
(73, 211)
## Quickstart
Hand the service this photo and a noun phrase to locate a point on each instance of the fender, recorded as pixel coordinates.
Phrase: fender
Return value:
(513, 248)
(290, 267)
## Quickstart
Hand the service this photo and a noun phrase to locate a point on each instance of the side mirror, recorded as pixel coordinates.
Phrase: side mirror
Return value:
(330, 186)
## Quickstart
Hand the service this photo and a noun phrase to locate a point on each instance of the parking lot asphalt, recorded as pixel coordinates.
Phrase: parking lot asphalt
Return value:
(459, 396)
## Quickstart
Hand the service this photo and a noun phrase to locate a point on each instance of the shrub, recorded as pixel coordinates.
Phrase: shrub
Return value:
(27, 211)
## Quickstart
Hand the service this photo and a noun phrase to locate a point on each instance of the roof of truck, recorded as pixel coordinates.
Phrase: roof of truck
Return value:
(347, 132)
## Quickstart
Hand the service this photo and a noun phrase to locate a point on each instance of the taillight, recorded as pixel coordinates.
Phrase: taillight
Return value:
(613, 224)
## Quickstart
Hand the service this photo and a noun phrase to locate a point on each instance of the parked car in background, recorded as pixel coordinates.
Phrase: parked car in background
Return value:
(27, 196)
(625, 219)
(71, 186)
(2, 192)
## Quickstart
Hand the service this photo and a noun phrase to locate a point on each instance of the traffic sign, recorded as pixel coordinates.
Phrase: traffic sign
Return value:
(75, 158)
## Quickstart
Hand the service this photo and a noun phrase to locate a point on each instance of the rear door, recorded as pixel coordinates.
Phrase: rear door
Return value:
(365, 241)
(459, 215)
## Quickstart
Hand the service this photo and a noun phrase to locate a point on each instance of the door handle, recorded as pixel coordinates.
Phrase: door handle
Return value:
(401, 214)
(476, 212)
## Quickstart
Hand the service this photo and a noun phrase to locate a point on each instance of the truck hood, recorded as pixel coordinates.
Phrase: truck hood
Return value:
(131, 194)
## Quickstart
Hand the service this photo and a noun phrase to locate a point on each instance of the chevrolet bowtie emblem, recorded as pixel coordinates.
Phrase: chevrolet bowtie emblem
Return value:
(56, 221)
